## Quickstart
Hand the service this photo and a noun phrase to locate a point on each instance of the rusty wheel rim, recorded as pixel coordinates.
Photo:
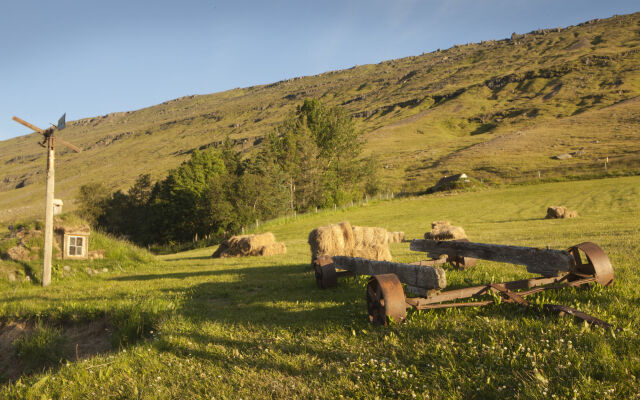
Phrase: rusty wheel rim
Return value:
(597, 263)
(385, 299)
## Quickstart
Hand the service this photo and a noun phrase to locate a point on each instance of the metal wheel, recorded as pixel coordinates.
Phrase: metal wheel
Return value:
(597, 263)
(385, 299)
(326, 276)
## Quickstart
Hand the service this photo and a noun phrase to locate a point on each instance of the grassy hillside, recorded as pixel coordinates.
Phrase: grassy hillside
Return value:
(259, 328)
(497, 110)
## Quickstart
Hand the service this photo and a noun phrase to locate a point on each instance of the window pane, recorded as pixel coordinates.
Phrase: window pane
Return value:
(79, 241)
(72, 241)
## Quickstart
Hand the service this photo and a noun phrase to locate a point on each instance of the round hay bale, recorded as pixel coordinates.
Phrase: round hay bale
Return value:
(344, 240)
(556, 212)
(248, 245)
(395, 237)
(560, 212)
(443, 230)
(273, 249)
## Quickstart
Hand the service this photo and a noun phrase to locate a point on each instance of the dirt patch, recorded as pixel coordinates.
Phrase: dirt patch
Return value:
(81, 340)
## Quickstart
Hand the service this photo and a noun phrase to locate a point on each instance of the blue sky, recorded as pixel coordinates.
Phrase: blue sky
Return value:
(92, 57)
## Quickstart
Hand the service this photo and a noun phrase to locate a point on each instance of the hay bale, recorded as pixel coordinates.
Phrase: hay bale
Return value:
(332, 240)
(366, 236)
(344, 240)
(250, 245)
(443, 230)
(395, 237)
(560, 212)
(272, 249)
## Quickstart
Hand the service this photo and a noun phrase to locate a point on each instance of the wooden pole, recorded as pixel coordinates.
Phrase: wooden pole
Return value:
(546, 262)
(48, 213)
(424, 278)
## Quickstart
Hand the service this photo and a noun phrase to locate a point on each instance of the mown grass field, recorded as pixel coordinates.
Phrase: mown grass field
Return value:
(259, 327)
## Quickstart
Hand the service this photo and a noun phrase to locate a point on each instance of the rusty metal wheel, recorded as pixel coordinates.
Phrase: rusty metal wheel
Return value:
(597, 263)
(326, 276)
(385, 299)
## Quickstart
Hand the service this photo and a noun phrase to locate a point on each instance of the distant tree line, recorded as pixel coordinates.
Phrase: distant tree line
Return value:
(312, 160)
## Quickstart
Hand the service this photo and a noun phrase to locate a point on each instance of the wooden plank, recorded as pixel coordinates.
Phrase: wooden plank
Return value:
(547, 262)
(427, 278)
(69, 145)
(28, 125)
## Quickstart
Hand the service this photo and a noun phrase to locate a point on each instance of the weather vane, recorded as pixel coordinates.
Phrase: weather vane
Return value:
(49, 140)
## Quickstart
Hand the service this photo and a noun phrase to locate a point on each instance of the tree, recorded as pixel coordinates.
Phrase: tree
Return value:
(91, 199)
(180, 202)
(318, 149)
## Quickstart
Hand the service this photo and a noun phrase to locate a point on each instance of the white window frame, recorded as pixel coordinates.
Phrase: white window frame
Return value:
(75, 246)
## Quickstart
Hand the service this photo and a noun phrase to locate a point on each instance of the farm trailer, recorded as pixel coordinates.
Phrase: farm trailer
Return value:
(580, 265)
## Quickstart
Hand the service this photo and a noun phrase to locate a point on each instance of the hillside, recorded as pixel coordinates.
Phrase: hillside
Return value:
(497, 110)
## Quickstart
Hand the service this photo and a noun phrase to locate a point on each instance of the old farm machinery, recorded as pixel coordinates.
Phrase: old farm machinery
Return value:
(581, 265)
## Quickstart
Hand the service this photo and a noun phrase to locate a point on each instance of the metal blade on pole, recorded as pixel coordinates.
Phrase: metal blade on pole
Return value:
(61, 122)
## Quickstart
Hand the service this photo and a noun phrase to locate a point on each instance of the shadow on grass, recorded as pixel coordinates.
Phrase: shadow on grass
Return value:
(516, 220)
(189, 258)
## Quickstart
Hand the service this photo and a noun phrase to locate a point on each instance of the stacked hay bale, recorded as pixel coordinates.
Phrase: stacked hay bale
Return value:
(395, 237)
(560, 212)
(344, 240)
(443, 230)
(250, 245)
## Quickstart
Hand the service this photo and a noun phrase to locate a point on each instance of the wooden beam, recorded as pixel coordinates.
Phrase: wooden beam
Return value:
(69, 145)
(546, 262)
(28, 125)
(427, 278)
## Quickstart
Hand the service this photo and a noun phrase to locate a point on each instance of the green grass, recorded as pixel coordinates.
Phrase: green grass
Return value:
(497, 110)
(259, 327)
(42, 348)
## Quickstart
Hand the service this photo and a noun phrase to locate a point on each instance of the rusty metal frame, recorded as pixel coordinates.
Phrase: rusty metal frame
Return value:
(596, 269)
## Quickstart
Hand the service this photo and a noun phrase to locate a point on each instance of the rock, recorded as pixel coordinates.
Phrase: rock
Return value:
(95, 272)
(89, 271)
(105, 269)
(66, 268)
(12, 277)
(564, 156)
(27, 279)
(578, 153)
(96, 254)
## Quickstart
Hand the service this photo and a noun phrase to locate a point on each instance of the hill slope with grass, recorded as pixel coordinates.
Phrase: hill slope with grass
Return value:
(258, 327)
(497, 110)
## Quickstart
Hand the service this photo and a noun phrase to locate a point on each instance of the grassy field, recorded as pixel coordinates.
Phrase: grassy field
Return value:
(259, 327)
(498, 110)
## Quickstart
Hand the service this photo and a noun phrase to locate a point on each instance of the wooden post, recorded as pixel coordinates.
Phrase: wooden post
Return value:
(424, 278)
(546, 262)
(48, 213)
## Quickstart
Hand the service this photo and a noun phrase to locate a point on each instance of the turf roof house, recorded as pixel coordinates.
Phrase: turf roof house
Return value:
(74, 240)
